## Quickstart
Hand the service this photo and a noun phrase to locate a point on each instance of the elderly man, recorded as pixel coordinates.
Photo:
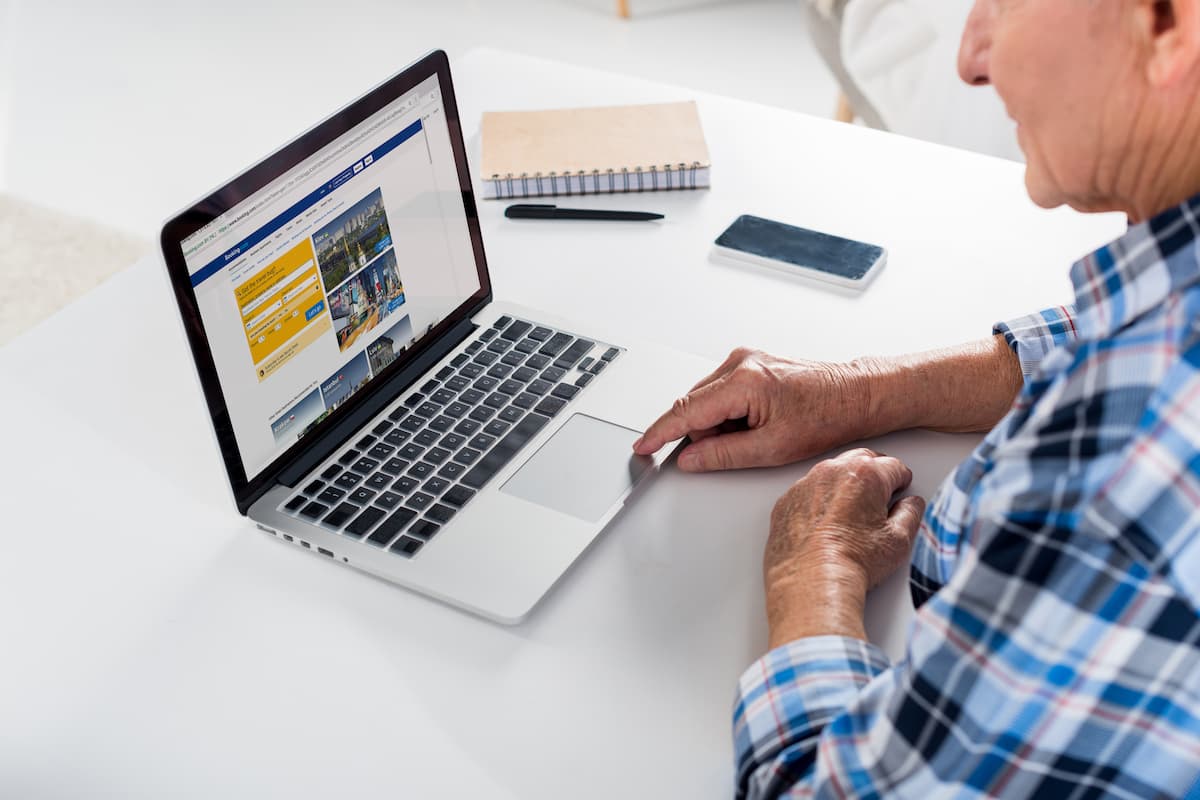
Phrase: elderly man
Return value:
(1056, 648)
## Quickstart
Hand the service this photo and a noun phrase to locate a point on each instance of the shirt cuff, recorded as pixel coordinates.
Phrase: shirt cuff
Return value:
(784, 701)
(1032, 336)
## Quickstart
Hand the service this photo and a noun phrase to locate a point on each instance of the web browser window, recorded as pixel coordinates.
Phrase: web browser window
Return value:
(309, 288)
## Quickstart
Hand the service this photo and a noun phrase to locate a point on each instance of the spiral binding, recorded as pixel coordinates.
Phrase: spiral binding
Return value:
(608, 181)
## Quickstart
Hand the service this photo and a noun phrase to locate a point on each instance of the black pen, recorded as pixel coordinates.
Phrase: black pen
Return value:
(537, 211)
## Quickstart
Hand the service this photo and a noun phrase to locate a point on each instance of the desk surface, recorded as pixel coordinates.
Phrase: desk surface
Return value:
(156, 645)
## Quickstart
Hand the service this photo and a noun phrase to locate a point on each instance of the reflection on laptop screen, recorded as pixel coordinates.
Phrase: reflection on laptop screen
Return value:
(313, 285)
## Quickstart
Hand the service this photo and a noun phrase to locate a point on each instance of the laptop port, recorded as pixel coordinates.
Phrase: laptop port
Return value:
(324, 552)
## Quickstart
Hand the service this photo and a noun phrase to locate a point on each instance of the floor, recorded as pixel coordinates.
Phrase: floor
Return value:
(118, 113)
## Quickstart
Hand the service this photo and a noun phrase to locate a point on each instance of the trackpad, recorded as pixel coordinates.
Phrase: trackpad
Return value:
(582, 470)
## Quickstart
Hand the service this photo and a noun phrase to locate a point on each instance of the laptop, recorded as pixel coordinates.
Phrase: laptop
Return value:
(372, 401)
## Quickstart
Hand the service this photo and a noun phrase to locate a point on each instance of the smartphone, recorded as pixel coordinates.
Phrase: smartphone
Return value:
(800, 251)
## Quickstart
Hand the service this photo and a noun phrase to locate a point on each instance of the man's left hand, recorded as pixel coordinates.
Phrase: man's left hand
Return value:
(834, 535)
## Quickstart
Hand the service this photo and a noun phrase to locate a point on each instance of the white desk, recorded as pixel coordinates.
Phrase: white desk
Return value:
(155, 644)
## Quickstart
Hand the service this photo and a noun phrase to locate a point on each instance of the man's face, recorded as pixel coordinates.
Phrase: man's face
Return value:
(1059, 66)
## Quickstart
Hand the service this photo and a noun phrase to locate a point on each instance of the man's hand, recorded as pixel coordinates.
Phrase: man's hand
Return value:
(757, 410)
(834, 535)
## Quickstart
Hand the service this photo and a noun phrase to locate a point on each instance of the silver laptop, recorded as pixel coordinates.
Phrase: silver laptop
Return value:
(373, 403)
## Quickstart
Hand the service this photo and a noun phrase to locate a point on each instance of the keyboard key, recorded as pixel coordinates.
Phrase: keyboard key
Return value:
(540, 386)
(397, 413)
(428, 409)
(444, 372)
(587, 362)
(388, 500)
(314, 487)
(482, 441)
(526, 346)
(458, 360)
(484, 384)
(391, 526)
(348, 457)
(412, 423)
(496, 400)
(553, 374)
(584, 380)
(395, 466)
(481, 414)
(441, 423)
(424, 529)
(550, 406)
(578, 349)
(381, 451)
(610, 354)
(502, 323)
(296, 502)
(420, 470)
(512, 359)
(458, 383)
(331, 495)
(439, 513)
(362, 495)
(496, 428)
(525, 400)
(565, 390)
(485, 358)
(516, 330)
(499, 346)
(598, 367)
(382, 428)
(488, 335)
(525, 374)
(365, 466)
(313, 510)
(500, 371)
(510, 387)
(412, 401)
(397, 437)
(437, 455)
(537, 362)
(472, 370)
(348, 480)
(331, 472)
(458, 496)
(495, 459)
(363, 522)
(378, 481)
(411, 451)
(337, 518)
(452, 441)
(467, 427)
(456, 410)
(511, 414)
(539, 333)
(474, 347)
(429, 386)
(443, 396)
(471, 396)
(365, 442)
(419, 501)
(405, 484)
(451, 470)
(435, 486)
(466, 456)
(425, 437)
(556, 344)
(405, 546)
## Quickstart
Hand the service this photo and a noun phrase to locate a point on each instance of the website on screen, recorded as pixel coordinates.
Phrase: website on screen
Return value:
(316, 283)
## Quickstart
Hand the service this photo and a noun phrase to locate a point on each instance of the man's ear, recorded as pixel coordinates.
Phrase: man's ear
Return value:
(1172, 31)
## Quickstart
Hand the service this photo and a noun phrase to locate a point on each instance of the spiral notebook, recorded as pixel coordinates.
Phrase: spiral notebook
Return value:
(604, 150)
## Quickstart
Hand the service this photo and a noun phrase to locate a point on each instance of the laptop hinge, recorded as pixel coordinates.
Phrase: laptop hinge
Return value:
(395, 386)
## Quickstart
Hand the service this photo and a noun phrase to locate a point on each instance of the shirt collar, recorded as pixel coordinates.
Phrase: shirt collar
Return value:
(1124, 279)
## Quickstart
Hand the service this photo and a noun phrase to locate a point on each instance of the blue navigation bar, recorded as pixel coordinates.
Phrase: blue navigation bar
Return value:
(219, 263)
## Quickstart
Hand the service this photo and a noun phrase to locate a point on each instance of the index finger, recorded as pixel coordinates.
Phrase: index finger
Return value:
(698, 410)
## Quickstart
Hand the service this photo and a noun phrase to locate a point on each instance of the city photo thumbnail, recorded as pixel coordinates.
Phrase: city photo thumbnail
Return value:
(362, 302)
(389, 345)
(296, 421)
(346, 381)
(354, 238)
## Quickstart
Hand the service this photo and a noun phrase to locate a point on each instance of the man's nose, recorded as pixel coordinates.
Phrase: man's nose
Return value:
(976, 45)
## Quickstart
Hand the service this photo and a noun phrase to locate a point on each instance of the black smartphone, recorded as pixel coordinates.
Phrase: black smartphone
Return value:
(800, 251)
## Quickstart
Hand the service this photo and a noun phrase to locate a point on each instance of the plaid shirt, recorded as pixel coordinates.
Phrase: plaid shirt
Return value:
(1055, 652)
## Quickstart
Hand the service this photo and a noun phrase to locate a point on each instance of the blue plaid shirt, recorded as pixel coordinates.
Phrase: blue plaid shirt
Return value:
(1056, 647)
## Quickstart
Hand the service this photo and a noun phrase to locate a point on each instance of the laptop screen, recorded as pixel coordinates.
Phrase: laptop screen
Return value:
(313, 285)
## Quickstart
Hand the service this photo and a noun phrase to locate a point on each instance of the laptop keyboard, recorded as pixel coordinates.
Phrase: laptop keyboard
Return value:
(418, 464)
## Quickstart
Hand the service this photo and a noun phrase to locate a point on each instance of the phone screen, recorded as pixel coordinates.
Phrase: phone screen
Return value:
(802, 247)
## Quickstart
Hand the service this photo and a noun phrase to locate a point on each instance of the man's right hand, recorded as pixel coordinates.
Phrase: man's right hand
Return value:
(757, 410)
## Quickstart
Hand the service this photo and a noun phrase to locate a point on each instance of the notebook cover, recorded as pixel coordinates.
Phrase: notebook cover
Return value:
(576, 140)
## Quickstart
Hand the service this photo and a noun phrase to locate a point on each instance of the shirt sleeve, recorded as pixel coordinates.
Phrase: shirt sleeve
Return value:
(1032, 336)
